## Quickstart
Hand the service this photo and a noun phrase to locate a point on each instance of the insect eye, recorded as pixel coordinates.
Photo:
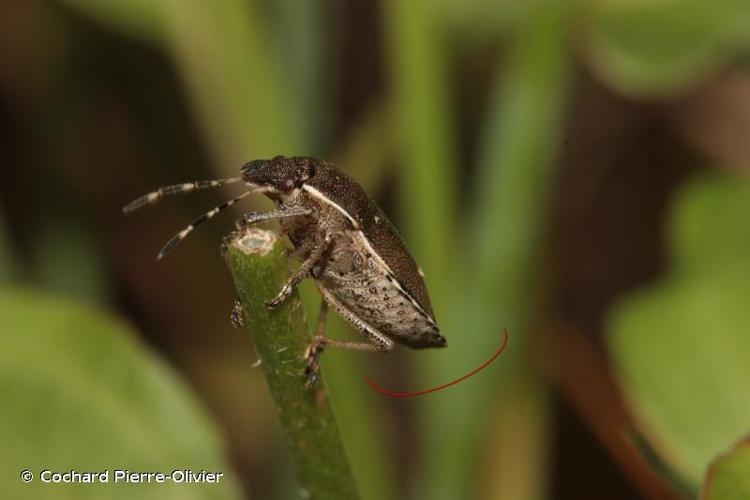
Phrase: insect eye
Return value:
(288, 184)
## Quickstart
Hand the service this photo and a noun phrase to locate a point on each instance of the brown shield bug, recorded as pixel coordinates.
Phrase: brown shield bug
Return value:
(344, 241)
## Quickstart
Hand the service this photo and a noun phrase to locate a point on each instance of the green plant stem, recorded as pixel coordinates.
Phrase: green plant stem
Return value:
(258, 263)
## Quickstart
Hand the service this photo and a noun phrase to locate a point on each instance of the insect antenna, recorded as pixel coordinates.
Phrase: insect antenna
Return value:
(186, 187)
(176, 239)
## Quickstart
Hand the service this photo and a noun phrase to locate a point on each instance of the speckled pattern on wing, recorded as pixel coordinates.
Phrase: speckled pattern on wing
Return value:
(381, 234)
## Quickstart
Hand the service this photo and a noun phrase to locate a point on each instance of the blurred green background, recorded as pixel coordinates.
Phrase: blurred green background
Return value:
(574, 171)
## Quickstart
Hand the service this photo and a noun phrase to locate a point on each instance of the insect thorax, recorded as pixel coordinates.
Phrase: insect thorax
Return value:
(311, 229)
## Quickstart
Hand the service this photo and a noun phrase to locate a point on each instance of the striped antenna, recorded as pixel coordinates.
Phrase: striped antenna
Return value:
(186, 187)
(177, 238)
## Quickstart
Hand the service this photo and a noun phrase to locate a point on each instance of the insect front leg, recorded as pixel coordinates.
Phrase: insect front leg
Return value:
(304, 269)
(281, 213)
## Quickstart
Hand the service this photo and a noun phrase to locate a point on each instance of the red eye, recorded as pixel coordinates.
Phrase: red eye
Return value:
(288, 184)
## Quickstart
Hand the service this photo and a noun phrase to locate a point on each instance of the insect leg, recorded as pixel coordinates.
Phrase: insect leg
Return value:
(315, 349)
(237, 316)
(255, 217)
(300, 251)
(322, 316)
(304, 269)
(378, 342)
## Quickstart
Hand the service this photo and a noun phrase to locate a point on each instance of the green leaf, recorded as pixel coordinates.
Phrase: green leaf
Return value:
(729, 476)
(664, 46)
(66, 258)
(487, 284)
(709, 225)
(681, 347)
(80, 393)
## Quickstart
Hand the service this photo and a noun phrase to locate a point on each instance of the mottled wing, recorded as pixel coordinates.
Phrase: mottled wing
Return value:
(382, 235)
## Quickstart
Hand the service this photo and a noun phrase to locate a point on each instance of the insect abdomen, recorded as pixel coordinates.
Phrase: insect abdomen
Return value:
(363, 285)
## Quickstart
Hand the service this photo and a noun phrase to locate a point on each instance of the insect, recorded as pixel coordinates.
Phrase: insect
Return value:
(344, 241)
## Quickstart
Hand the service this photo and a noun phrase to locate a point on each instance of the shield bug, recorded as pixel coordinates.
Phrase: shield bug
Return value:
(344, 241)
